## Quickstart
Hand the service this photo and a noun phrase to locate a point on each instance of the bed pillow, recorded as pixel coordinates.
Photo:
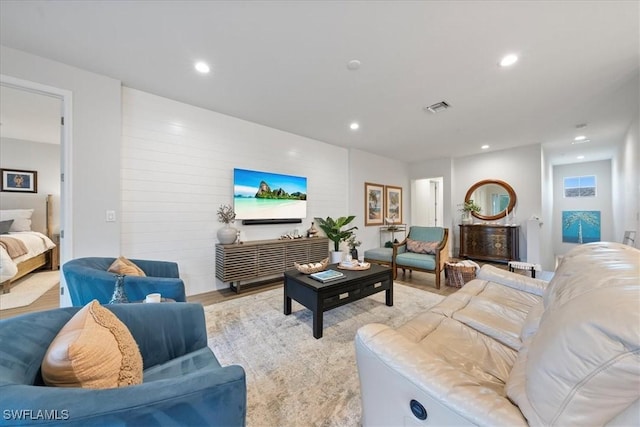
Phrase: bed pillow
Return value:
(5, 226)
(420, 247)
(93, 350)
(125, 267)
(21, 218)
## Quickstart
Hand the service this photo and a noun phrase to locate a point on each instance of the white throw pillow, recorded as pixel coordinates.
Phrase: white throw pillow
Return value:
(21, 218)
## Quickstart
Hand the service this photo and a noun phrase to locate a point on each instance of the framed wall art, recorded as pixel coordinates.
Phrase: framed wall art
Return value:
(580, 226)
(393, 206)
(19, 181)
(373, 204)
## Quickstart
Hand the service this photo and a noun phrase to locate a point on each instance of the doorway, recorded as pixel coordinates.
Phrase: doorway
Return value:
(35, 136)
(427, 202)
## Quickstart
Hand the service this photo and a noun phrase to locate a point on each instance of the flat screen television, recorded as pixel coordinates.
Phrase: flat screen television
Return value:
(268, 197)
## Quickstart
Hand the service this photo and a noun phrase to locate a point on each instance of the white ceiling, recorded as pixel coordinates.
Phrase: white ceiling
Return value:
(284, 64)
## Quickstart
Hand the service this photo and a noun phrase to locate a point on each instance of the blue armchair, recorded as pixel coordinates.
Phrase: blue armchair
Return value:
(88, 279)
(183, 383)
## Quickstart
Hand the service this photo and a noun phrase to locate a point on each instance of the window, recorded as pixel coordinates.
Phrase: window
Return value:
(580, 186)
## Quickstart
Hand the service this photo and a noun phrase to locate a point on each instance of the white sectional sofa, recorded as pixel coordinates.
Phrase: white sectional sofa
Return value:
(508, 350)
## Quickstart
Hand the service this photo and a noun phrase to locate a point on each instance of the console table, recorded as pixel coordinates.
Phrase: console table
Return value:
(391, 230)
(262, 258)
(490, 242)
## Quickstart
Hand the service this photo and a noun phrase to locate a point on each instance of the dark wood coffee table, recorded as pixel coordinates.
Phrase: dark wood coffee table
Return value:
(320, 297)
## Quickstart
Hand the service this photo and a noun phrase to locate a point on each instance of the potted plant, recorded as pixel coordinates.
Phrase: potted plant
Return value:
(353, 245)
(333, 229)
(227, 234)
(466, 209)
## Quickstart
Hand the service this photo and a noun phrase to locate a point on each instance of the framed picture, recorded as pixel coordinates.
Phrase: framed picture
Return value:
(19, 181)
(373, 204)
(580, 226)
(393, 207)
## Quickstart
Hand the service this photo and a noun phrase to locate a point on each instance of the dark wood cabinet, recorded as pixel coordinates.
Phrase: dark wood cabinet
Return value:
(490, 242)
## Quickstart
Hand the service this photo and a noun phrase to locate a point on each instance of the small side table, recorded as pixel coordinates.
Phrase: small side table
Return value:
(513, 265)
(144, 301)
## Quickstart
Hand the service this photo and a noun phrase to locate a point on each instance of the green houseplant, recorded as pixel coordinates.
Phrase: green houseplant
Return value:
(467, 208)
(333, 229)
(470, 206)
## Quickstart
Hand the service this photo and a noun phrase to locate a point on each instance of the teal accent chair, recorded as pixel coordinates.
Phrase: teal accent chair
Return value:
(183, 384)
(422, 262)
(382, 256)
(88, 279)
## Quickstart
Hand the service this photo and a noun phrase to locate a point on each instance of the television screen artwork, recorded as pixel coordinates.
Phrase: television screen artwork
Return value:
(264, 195)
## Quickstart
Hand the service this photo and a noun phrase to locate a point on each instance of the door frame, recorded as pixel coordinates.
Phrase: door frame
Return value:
(66, 211)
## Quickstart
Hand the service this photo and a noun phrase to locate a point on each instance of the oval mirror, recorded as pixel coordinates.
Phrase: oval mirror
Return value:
(494, 197)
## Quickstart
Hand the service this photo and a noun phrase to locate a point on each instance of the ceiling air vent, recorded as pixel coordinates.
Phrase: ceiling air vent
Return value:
(437, 107)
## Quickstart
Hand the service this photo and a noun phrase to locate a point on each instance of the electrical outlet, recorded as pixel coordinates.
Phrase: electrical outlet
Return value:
(111, 216)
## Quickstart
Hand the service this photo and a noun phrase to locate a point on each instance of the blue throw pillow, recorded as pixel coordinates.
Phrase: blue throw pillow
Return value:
(5, 226)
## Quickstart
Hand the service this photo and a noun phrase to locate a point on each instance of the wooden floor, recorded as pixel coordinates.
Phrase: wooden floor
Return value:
(416, 279)
(50, 299)
(419, 280)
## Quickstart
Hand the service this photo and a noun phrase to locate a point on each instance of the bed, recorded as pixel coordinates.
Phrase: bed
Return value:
(36, 236)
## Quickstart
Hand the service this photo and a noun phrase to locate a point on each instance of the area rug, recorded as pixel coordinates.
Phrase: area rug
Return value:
(294, 379)
(29, 289)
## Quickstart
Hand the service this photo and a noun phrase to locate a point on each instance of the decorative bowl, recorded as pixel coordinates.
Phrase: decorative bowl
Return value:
(312, 267)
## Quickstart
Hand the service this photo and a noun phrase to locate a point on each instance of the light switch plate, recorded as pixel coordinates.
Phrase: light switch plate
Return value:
(111, 216)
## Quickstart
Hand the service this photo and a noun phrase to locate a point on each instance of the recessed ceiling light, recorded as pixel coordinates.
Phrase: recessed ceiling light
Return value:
(580, 138)
(508, 60)
(353, 65)
(582, 141)
(484, 147)
(354, 126)
(580, 157)
(202, 67)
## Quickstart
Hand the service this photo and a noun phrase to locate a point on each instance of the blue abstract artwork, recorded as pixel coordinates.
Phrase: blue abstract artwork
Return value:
(580, 226)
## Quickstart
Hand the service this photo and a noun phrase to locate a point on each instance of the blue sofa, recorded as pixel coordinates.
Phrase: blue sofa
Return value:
(419, 261)
(183, 383)
(88, 279)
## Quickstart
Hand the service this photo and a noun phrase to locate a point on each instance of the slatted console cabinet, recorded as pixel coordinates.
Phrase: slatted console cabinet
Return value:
(257, 259)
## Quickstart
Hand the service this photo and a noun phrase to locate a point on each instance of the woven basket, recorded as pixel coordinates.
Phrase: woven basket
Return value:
(457, 275)
(308, 270)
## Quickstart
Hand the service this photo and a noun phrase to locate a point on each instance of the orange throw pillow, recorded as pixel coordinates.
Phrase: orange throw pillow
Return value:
(125, 267)
(93, 350)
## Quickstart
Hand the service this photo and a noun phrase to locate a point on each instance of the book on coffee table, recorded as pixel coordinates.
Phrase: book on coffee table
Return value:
(326, 276)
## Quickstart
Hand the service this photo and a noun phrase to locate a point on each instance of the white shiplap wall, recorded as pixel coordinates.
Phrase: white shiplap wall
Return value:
(177, 169)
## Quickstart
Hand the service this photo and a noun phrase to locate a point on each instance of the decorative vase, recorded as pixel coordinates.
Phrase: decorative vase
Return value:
(312, 231)
(466, 218)
(336, 257)
(227, 235)
(119, 296)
